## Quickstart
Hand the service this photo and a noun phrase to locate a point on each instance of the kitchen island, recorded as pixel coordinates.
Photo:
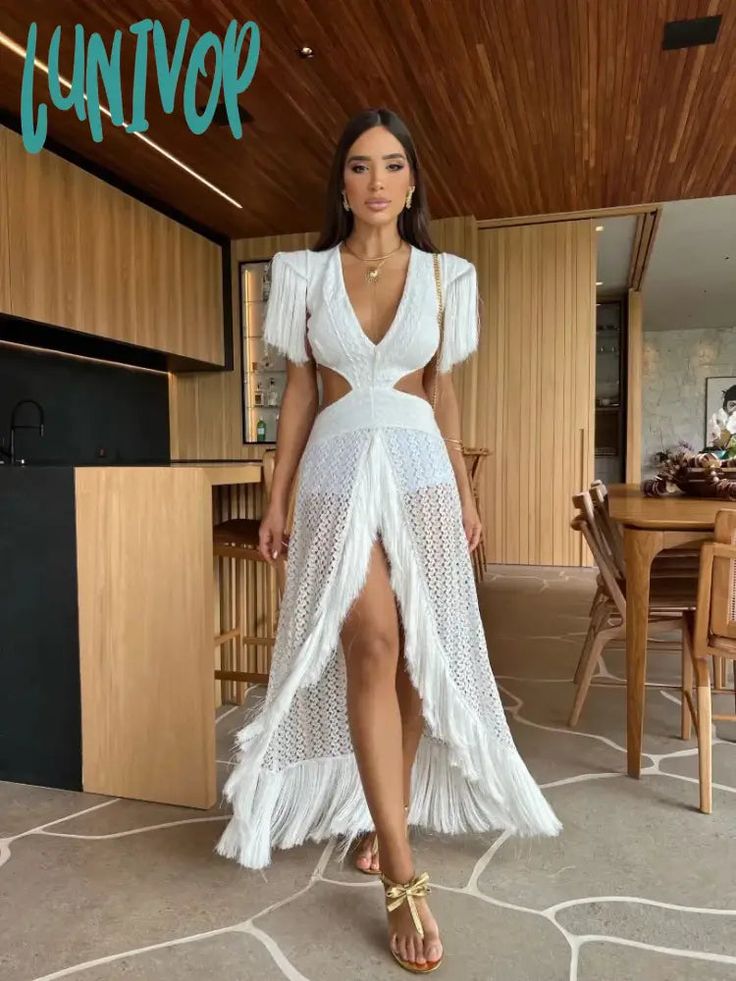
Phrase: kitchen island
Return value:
(106, 673)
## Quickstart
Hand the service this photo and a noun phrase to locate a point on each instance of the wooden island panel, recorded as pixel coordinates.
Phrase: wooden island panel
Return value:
(146, 629)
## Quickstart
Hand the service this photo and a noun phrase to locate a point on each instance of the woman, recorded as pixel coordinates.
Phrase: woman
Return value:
(380, 696)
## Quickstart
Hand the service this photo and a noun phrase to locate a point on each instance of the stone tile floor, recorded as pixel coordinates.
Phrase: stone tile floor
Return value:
(640, 885)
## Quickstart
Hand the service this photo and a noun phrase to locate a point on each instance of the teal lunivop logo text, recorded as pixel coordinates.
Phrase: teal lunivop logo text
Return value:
(95, 66)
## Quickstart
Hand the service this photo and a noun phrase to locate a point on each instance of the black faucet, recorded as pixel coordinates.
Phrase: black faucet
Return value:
(16, 425)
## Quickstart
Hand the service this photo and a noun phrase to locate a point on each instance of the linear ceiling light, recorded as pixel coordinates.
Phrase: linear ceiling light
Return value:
(54, 352)
(21, 52)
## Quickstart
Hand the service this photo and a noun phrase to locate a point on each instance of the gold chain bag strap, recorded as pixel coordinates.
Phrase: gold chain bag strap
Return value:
(441, 320)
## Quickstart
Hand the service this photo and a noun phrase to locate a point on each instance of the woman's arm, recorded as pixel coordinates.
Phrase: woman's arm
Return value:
(284, 329)
(460, 339)
(448, 420)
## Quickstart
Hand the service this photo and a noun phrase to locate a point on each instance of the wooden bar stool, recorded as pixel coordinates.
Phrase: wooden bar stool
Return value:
(474, 457)
(237, 538)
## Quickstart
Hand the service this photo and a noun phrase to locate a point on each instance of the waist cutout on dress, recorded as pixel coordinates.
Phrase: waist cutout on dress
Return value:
(376, 407)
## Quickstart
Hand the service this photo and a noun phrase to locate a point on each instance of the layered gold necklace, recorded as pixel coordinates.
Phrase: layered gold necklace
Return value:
(372, 273)
(372, 277)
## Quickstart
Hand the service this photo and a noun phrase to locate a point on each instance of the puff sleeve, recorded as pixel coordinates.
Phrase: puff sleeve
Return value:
(462, 312)
(285, 322)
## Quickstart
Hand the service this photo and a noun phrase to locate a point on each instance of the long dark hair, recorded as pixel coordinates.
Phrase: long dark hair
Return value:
(413, 223)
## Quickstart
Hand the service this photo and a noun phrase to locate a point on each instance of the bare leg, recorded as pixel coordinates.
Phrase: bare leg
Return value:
(412, 724)
(412, 720)
(370, 639)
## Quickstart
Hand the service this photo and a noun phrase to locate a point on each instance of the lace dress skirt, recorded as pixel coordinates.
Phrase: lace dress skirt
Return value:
(295, 776)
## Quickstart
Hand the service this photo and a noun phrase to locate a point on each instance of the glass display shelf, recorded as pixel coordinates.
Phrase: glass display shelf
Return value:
(264, 370)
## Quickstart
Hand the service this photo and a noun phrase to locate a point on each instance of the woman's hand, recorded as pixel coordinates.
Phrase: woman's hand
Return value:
(471, 523)
(272, 539)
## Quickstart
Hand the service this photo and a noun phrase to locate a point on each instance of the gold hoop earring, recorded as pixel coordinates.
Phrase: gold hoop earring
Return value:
(345, 204)
(408, 197)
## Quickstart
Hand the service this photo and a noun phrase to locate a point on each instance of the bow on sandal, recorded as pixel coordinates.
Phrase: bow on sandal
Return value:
(396, 894)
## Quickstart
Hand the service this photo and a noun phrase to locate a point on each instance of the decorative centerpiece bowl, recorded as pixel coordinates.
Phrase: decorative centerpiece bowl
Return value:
(695, 474)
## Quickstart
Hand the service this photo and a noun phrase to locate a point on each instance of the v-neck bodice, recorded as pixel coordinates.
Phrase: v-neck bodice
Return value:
(399, 309)
(338, 340)
(309, 314)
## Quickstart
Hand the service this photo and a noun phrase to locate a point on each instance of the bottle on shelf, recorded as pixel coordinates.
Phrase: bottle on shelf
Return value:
(258, 393)
(261, 431)
(273, 392)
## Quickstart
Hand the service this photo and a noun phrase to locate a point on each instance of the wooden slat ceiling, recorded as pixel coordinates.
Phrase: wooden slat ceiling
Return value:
(518, 107)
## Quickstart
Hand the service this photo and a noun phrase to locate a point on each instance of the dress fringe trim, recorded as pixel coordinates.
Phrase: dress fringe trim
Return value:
(465, 778)
(462, 318)
(285, 321)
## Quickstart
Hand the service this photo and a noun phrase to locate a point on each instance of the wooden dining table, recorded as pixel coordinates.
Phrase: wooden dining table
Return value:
(650, 524)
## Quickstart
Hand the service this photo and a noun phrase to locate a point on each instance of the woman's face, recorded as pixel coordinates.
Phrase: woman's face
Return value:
(731, 406)
(377, 177)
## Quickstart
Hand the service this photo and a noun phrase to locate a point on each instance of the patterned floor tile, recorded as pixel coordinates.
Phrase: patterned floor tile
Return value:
(119, 888)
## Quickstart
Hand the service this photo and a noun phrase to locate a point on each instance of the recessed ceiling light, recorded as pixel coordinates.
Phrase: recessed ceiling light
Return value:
(599, 228)
(599, 283)
(18, 49)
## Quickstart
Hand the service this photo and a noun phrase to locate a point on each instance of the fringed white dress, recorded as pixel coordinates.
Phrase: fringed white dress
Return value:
(375, 464)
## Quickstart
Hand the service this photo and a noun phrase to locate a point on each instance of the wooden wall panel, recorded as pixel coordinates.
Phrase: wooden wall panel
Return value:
(86, 256)
(4, 242)
(635, 342)
(535, 406)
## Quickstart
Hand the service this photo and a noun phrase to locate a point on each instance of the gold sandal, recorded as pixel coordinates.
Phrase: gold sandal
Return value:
(396, 893)
(374, 850)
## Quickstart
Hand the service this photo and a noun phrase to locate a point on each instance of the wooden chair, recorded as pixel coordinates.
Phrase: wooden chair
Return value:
(237, 538)
(669, 598)
(474, 457)
(672, 563)
(709, 633)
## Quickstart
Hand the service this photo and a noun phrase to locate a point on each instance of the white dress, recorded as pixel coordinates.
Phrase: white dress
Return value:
(375, 464)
